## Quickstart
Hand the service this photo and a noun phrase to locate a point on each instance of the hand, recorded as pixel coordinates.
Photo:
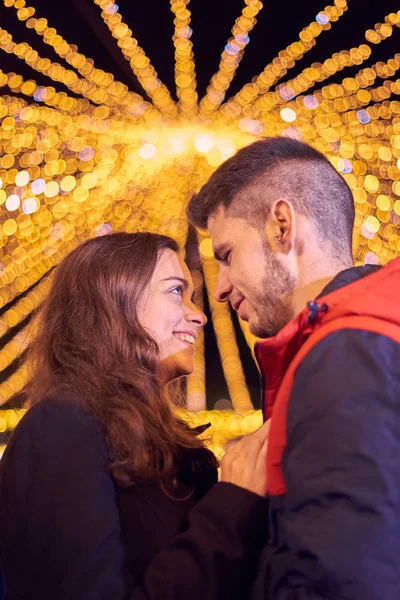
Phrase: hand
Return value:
(245, 462)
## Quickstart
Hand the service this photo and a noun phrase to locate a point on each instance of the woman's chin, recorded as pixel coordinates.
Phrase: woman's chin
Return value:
(184, 370)
(173, 372)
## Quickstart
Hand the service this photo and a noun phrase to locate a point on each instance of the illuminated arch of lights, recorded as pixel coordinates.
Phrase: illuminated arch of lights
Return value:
(106, 159)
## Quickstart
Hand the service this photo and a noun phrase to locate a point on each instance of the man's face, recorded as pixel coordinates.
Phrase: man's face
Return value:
(252, 277)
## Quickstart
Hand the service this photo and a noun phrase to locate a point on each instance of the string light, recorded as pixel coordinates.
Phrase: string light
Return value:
(319, 72)
(223, 425)
(13, 384)
(57, 73)
(285, 60)
(225, 334)
(73, 168)
(85, 66)
(230, 58)
(48, 95)
(15, 348)
(185, 75)
(23, 308)
(196, 382)
(139, 62)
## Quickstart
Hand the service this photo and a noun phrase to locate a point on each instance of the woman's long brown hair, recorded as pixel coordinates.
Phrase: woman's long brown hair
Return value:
(91, 344)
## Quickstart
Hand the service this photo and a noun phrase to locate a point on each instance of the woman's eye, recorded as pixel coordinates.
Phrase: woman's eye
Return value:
(177, 290)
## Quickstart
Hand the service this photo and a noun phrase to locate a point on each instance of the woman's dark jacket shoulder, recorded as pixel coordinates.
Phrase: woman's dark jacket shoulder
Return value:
(67, 531)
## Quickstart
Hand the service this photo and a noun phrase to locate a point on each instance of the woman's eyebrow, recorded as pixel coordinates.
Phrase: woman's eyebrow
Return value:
(175, 278)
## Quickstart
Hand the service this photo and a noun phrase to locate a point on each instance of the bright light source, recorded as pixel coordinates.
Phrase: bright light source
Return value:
(288, 115)
(147, 151)
(204, 143)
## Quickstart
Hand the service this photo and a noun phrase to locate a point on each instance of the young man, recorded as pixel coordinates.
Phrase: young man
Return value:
(281, 221)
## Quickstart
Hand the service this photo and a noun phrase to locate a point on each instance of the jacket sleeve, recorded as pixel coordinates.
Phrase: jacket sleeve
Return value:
(340, 520)
(60, 522)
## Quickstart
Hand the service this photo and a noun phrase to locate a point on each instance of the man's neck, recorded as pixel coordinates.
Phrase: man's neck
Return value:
(310, 287)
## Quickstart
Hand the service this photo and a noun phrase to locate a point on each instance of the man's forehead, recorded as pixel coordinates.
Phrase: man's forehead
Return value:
(217, 228)
(219, 220)
(220, 230)
(223, 225)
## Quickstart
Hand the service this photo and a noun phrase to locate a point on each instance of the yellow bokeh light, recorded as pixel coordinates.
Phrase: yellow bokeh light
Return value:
(177, 145)
(90, 156)
(372, 224)
(385, 153)
(204, 143)
(214, 157)
(396, 187)
(383, 202)
(13, 202)
(371, 183)
(206, 248)
(147, 151)
(30, 205)
(9, 227)
(89, 181)
(80, 194)
(52, 189)
(68, 183)
(22, 178)
(288, 115)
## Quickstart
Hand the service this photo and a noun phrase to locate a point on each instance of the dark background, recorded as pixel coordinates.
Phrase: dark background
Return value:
(278, 24)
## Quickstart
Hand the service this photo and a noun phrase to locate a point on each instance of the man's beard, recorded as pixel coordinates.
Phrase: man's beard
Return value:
(272, 310)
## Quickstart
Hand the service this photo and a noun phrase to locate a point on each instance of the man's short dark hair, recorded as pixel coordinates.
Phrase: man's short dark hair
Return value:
(280, 167)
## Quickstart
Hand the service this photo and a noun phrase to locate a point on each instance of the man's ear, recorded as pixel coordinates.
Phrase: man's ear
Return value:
(280, 228)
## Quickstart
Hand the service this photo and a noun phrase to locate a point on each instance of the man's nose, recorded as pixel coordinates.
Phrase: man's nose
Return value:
(224, 287)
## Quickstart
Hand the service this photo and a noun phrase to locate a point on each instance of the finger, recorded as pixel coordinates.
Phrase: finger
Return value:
(259, 436)
(262, 432)
(264, 449)
(232, 442)
(257, 444)
(249, 445)
(262, 458)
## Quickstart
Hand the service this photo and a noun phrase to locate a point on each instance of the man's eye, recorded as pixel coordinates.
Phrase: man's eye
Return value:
(226, 258)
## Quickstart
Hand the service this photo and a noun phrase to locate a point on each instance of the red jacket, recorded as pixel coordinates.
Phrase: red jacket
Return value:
(332, 391)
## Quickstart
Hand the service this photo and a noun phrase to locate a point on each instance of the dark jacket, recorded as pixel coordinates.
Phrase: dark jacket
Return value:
(332, 390)
(68, 532)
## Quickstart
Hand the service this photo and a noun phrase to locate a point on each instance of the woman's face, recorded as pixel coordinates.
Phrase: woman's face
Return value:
(170, 317)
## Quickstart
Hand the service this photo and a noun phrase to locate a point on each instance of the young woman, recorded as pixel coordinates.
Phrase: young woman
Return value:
(104, 493)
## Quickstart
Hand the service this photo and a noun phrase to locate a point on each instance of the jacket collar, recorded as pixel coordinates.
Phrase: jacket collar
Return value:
(348, 276)
(365, 295)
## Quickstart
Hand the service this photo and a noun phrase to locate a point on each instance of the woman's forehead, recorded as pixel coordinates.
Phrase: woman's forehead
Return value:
(171, 264)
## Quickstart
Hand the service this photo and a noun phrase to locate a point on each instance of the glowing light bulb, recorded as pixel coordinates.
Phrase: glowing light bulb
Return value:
(13, 202)
(38, 186)
(22, 178)
(203, 143)
(30, 205)
(288, 115)
(147, 151)
(177, 145)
